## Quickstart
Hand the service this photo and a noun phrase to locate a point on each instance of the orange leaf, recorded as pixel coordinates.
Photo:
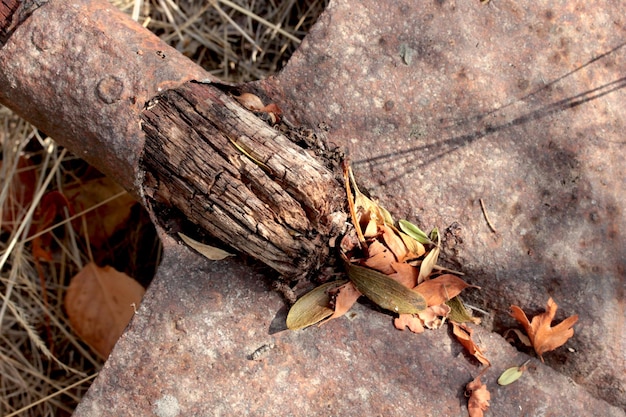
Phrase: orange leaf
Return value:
(479, 398)
(394, 242)
(405, 274)
(380, 258)
(412, 321)
(441, 289)
(464, 335)
(347, 295)
(432, 316)
(542, 336)
(98, 303)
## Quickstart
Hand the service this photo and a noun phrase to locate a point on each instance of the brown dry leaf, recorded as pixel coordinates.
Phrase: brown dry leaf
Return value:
(380, 258)
(412, 321)
(99, 303)
(250, 101)
(479, 398)
(434, 316)
(542, 336)
(429, 262)
(464, 335)
(346, 296)
(394, 243)
(209, 252)
(415, 248)
(19, 192)
(441, 289)
(405, 274)
(105, 220)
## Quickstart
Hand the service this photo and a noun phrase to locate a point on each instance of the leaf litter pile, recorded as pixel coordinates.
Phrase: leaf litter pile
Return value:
(394, 265)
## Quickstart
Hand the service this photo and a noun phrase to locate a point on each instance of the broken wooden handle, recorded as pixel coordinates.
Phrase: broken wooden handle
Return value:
(83, 72)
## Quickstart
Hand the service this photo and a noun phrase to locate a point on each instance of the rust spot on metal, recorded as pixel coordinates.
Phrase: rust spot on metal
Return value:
(110, 89)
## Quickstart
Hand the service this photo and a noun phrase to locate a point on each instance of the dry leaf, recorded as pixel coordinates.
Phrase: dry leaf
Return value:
(429, 262)
(394, 243)
(405, 274)
(385, 291)
(250, 101)
(19, 191)
(542, 336)
(441, 289)
(434, 316)
(312, 307)
(105, 220)
(464, 335)
(209, 252)
(99, 303)
(412, 321)
(479, 398)
(346, 296)
(380, 258)
(415, 248)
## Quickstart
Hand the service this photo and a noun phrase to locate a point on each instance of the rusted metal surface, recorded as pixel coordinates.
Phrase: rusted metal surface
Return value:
(82, 71)
(440, 106)
(513, 102)
(206, 341)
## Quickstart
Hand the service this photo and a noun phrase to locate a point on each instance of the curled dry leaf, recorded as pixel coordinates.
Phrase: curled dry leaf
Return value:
(99, 303)
(250, 101)
(412, 321)
(209, 252)
(429, 262)
(441, 289)
(345, 297)
(479, 398)
(312, 307)
(464, 335)
(542, 335)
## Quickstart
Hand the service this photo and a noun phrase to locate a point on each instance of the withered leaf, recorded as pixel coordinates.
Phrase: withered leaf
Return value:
(415, 248)
(542, 336)
(434, 316)
(429, 262)
(385, 291)
(394, 243)
(441, 289)
(99, 303)
(209, 252)
(479, 398)
(312, 307)
(380, 258)
(464, 335)
(346, 296)
(412, 321)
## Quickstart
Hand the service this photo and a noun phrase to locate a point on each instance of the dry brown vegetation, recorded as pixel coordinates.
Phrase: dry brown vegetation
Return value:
(44, 367)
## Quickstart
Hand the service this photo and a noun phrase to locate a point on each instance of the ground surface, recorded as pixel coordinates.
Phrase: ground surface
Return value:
(439, 106)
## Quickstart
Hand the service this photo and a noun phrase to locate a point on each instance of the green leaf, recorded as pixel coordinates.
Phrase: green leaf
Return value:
(459, 313)
(312, 307)
(415, 232)
(385, 291)
(510, 375)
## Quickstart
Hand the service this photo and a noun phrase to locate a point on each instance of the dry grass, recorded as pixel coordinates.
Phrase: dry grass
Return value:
(44, 368)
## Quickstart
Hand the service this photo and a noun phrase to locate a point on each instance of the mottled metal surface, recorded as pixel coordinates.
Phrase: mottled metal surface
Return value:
(440, 105)
(205, 343)
(517, 103)
(82, 71)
